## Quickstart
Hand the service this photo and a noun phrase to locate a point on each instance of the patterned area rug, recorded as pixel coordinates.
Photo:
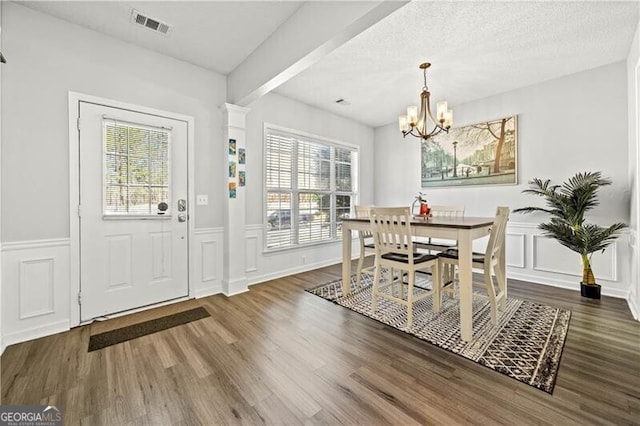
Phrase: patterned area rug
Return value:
(526, 345)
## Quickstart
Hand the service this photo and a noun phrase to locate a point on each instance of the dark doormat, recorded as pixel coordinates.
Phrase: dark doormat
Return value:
(123, 334)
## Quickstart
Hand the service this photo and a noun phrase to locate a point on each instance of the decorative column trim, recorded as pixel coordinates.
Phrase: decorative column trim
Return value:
(234, 271)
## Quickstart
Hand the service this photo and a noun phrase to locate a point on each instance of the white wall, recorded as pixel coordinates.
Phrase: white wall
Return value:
(1, 66)
(570, 124)
(633, 84)
(49, 58)
(282, 111)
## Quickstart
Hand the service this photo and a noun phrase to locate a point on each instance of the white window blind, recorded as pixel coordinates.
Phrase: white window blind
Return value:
(136, 169)
(309, 186)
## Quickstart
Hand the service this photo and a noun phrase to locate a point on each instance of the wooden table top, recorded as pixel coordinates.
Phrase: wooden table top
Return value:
(440, 221)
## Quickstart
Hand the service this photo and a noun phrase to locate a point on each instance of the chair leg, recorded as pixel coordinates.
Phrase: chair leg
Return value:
(436, 286)
(445, 274)
(412, 278)
(455, 281)
(374, 291)
(488, 282)
(359, 269)
(502, 285)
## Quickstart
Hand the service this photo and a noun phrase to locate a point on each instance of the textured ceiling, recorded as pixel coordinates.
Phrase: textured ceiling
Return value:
(215, 35)
(477, 49)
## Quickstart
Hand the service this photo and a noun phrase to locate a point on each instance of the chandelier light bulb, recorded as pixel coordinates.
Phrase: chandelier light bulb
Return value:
(441, 108)
(412, 115)
(404, 124)
(448, 119)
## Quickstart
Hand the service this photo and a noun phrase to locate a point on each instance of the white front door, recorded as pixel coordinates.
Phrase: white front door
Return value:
(133, 218)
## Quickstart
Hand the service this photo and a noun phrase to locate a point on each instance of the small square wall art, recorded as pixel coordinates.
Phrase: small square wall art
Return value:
(241, 156)
(232, 190)
(232, 169)
(232, 147)
(242, 178)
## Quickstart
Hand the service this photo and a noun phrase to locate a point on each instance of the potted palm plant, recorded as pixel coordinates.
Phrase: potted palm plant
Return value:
(567, 205)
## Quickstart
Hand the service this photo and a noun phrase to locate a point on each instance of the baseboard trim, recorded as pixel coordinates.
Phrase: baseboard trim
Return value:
(208, 291)
(35, 333)
(633, 307)
(292, 271)
(569, 285)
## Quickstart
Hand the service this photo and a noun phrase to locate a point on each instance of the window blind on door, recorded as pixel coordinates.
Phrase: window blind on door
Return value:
(136, 168)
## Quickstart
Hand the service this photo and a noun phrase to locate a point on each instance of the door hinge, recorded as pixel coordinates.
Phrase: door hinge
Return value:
(79, 210)
(79, 298)
(78, 123)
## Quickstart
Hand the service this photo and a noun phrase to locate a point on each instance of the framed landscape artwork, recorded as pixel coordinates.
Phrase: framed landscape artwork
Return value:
(478, 154)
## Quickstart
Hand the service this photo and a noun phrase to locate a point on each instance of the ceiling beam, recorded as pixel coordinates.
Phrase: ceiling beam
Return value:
(312, 32)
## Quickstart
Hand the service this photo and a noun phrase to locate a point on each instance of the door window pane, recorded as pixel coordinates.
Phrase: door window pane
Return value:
(136, 169)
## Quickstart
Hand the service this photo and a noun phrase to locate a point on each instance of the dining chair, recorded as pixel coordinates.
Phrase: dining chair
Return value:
(367, 245)
(440, 245)
(489, 262)
(394, 250)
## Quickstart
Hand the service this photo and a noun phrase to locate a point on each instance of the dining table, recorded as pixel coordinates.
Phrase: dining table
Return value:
(464, 230)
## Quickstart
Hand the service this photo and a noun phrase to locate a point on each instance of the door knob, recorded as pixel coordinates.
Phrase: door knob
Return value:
(182, 217)
(182, 205)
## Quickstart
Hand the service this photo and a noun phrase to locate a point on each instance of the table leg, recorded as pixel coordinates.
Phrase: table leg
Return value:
(466, 291)
(346, 259)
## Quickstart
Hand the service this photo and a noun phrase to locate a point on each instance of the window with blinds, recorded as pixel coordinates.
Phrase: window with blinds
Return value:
(309, 184)
(136, 169)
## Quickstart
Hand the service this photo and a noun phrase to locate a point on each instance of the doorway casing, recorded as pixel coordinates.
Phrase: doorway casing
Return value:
(74, 191)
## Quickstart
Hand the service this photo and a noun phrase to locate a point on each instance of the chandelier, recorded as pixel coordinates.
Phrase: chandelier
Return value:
(418, 125)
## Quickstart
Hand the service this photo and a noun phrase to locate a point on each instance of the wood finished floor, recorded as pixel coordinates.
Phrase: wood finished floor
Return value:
(278, 355)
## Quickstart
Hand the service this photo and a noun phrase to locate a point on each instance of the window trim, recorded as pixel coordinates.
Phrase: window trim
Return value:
(313, 137)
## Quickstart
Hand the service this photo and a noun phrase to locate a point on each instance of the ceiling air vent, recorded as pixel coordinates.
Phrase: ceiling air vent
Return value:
(152, 24)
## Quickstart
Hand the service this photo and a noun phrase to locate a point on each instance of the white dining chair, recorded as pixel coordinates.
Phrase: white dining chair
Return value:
(440, 245)
(367, 246)
(489, 262)
(395, 251)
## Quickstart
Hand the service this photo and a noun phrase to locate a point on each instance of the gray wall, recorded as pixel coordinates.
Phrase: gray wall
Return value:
(570, 124)
(285, 112)
(49, 58)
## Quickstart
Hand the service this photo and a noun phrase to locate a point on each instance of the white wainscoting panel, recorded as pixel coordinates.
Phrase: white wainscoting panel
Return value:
(515, 253)
(273, 265)
(543, 260)
(550, 256)
(529, 257)
(35, 289)
(252, 253)
(206, 277)
(208, 255)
